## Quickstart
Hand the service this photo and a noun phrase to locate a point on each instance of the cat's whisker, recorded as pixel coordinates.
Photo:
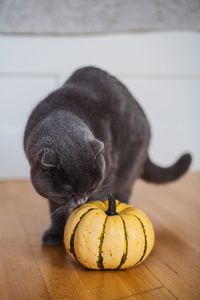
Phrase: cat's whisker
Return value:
(55, 217)
(55, 211)
(60, 210)
(69, 205)
(106, 185)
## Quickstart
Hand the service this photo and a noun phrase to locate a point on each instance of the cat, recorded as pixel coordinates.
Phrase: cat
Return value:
(88, 138)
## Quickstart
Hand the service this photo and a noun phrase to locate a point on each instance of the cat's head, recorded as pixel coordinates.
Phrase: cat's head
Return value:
(65, 172)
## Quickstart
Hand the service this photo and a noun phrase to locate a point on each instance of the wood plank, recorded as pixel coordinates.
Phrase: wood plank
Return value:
(175, 259)
(19, 274)
(178, 209)
(32, 208)
(176, 265)
(62, 274)
(66, 279)
(189, 190)
(157, 294)
(34, 215)
(172, 270)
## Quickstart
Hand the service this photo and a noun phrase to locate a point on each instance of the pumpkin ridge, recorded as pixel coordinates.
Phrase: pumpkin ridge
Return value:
(100, 257)
(125, 254)
(145, 241)
(72, 249)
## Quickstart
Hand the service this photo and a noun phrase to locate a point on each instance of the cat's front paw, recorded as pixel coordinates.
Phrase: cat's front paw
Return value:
(52, 237)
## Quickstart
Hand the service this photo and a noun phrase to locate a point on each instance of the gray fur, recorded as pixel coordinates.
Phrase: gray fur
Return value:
(84, 140)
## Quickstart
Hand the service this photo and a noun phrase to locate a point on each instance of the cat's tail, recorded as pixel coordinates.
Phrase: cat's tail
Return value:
(156, 174)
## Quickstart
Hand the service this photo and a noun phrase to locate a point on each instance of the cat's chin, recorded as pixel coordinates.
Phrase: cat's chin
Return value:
(82, 200)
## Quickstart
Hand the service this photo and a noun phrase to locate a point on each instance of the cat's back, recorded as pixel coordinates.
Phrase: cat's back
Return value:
(105, 88)
(90, 91)
(97, 78)
(88, 73)
(114, 99)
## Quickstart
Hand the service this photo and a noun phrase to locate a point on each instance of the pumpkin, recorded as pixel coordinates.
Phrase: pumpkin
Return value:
(108, 235)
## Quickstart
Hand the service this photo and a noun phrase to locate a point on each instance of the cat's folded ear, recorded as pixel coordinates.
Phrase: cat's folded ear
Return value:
(48, 158)
(97, 147)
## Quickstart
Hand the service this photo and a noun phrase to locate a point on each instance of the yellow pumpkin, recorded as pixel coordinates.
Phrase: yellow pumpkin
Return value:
(108, 235)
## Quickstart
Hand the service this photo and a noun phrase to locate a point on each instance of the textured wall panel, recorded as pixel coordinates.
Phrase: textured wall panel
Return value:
(76, 16)
(161, 69)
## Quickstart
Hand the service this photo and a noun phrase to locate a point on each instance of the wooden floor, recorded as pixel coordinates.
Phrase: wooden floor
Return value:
(172, 271)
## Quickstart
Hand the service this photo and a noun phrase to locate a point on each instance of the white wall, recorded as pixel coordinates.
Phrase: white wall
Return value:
(161, 69)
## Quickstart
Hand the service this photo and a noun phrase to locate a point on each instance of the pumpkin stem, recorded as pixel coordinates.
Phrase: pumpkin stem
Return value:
(111, 205)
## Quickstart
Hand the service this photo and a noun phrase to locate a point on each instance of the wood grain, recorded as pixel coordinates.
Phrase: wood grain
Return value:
(157, 294)
(31, 271)
(20, 277)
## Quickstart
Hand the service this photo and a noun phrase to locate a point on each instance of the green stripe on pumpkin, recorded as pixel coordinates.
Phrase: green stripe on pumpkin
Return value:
(100, 257)
(124, 256)
(145, 241)
(72, 249)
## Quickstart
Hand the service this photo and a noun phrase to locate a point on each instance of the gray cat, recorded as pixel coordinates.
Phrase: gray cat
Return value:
(86, 139)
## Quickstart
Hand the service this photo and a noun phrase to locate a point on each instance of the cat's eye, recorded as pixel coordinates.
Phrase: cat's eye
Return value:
(49, 168)
(46, 169)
